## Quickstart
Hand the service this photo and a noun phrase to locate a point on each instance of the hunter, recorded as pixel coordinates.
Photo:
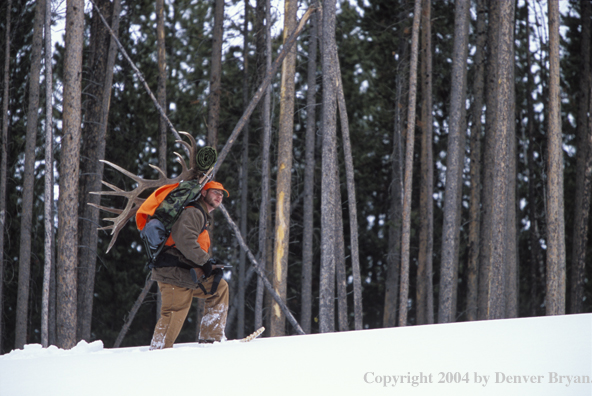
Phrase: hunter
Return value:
(185, 270)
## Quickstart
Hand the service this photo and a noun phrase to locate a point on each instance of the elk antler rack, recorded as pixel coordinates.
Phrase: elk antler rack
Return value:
(133, 197)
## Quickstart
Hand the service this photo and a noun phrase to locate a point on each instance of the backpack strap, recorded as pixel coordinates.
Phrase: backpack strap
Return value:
(154, 261)
(153, 255)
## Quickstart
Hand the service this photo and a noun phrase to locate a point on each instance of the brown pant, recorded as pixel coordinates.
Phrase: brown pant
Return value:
(176, 302)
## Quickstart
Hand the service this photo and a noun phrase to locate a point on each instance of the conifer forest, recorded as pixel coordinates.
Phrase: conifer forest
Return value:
(389, 162)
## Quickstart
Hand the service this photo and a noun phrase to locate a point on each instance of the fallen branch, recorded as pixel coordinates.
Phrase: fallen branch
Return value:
(255, 265)
(133, 313)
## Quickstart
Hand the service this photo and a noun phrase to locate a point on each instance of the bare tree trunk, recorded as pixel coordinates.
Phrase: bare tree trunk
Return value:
(424, 290)
(475, 147)
(328, 182)
(265, 191)
(48, 193)
(24, 278)
(4, 160)
(340, 281)
(161, 98)
(215, 74)
(393, 257)
(244, 180)
(512, 285)
(351, 196)
(408, 178)
(161, 87)
(583, 171)
(454, 167)
(308, 226)
(284, 173)
(535, 257)
(91, 169)
(102, 60)
(504, 119)
(555, 298)
(53, 327)
(488, 159)
(69, 172)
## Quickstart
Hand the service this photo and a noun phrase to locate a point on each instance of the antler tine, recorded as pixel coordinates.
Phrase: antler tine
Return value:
(186, 173)
(106, 209)
(119, 222)
(192, 149)
(138, 201)
(116, 190)
(125, 172)
(184, 143)
(117, 227)
(111, 186)
(162, 176)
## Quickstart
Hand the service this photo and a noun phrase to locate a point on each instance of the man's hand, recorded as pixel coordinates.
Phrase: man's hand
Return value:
(196, 274)
(206, 270)
(216, 263)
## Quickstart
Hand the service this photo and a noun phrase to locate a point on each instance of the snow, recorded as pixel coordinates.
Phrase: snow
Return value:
(499, 357)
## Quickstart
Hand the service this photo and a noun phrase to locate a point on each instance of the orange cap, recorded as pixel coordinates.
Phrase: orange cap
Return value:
(216, 186)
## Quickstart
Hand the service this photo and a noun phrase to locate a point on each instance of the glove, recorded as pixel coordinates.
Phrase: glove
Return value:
(205, 270)
(211, 265)
(214, 261)
(196, 274)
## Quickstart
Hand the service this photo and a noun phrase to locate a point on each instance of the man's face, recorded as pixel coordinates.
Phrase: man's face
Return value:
(213, 197)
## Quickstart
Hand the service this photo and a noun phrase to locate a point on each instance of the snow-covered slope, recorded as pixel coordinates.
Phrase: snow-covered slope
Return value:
(534, 356)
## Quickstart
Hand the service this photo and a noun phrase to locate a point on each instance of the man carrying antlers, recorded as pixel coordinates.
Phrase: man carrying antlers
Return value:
(186, 270)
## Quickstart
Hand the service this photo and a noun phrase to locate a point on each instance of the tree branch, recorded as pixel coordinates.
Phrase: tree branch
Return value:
(262, 88)
(140, 76)
(261, 273)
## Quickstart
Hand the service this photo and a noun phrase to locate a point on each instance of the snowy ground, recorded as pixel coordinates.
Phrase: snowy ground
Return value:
(534, 356)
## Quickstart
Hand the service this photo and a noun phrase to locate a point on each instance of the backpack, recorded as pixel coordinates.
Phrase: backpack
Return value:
(156, 216)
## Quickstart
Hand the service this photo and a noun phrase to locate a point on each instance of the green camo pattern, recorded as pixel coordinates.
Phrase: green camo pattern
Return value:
(206, 158)
(168, 210)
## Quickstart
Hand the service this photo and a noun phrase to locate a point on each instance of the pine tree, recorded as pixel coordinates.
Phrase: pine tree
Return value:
(215, 74)
(503, 127)
(4, 155)
(455, 164)
(424, 291)
(284, 173)
(555, 296)
(96, 98)
(69, 172)
(47, 325)
(22, 310)
(308, 212)
(475, 175)
(583, 167)
(405, 244)
(328, 180)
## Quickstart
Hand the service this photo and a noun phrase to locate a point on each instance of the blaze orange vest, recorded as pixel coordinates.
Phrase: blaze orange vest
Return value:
(149, 206)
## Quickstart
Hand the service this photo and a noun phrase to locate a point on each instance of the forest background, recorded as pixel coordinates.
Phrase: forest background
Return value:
(491, 230)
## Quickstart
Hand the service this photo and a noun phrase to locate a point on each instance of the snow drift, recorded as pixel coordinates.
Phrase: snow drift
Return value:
(532, 356)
